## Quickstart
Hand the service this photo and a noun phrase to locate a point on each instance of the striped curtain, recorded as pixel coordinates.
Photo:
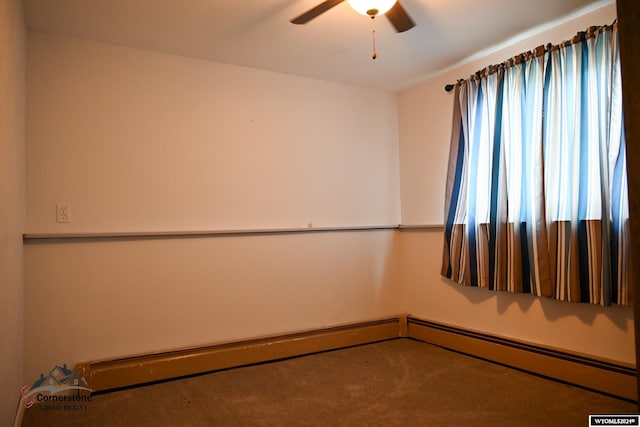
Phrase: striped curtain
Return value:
(536, 193)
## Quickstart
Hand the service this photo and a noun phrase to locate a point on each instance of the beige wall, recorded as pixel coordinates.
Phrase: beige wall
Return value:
(12, 170)
(425, 126)
(137, 140)
(605, 332)
(94, 300)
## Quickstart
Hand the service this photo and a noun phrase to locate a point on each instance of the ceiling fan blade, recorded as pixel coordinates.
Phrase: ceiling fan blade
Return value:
(315, 12)
(399, 18)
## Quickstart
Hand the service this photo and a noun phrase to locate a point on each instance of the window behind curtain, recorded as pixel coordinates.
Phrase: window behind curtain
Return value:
(536, 197)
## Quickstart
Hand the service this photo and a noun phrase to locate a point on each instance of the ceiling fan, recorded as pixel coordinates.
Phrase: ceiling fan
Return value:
(394, 11)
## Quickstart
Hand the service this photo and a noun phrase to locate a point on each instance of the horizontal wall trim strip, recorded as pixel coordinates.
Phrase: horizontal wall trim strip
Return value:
(218, 233)
(123, 372)
(201, 233)
(411, 227)
(602, 375)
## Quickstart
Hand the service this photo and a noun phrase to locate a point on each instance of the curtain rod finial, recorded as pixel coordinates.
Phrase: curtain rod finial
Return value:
(449, 87)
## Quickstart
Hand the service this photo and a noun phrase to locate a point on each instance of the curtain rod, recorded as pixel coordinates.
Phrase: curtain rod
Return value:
(538, 51)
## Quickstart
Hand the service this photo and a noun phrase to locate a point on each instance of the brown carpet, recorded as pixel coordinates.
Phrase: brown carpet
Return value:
(392, 383)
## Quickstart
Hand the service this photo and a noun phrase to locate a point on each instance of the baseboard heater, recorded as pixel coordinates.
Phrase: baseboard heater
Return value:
(601, 375)
(124, 372)
(604, 376)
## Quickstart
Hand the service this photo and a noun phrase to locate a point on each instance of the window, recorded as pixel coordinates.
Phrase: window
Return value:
(536, 197)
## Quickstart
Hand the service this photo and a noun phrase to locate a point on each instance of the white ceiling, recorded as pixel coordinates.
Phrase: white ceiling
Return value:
(335, 46)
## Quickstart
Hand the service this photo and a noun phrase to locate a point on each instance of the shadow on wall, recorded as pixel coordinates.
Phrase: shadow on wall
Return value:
(552, 309)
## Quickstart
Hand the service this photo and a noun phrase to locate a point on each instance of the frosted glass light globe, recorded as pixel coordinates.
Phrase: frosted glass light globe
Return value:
(364, 6)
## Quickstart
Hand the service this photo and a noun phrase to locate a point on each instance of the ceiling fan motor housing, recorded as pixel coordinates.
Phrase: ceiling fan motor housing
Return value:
(393, 10)
(371, 7)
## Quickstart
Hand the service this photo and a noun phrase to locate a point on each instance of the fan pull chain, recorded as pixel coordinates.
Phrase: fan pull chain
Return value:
(374, 55)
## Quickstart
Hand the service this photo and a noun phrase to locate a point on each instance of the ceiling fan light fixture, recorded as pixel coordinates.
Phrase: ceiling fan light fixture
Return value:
(371, 7)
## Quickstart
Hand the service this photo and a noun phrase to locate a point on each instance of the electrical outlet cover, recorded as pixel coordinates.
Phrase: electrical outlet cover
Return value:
(63, 212)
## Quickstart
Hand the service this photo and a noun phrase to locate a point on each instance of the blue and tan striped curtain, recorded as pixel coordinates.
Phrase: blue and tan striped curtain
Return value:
(536, 196)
